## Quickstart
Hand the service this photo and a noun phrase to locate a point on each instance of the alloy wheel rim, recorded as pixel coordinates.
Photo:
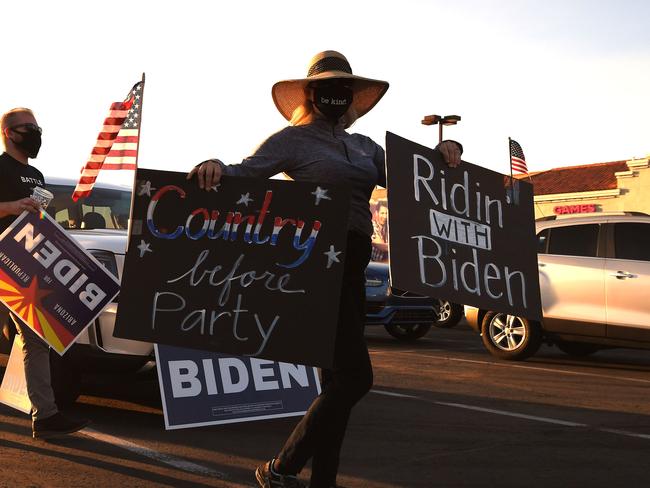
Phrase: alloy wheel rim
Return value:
(444, 310)
(507, 332)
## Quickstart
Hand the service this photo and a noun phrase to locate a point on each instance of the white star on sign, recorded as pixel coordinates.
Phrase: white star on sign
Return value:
(145, 188)
(144, 247)
(320, 194)
(215, 188)
(138, 87)
(332, 256)
(245, 199)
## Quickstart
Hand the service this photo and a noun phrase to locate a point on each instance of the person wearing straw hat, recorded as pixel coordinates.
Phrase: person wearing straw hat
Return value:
(316, 147)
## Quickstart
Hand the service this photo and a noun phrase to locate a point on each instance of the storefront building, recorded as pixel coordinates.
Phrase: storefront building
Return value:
(618, 186)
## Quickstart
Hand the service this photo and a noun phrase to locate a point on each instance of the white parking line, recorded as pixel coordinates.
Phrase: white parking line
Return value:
(398, 395)
(524, 416)
(626, 433)
(519, 366)
(513, 414)
(481, 409)
(151, 454)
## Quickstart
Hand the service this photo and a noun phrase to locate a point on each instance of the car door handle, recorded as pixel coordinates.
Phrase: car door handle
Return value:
(622, 275)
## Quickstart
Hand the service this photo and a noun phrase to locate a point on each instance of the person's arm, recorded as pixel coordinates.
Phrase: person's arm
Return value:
(270, 158)
(379, 158)
(17, 207)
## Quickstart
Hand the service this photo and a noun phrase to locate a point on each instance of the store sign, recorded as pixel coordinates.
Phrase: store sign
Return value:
(574, 209)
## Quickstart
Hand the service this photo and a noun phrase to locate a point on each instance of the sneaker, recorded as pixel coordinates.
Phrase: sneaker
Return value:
(268, 478)
(56, 426)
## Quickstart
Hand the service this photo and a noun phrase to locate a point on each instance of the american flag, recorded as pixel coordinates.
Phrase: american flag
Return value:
(517, 159)
(117, 143)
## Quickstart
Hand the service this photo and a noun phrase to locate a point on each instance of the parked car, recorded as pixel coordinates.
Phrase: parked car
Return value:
(405, 315)
(594, 275)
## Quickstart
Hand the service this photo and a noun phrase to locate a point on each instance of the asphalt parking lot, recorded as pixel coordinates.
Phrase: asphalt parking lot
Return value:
(442, 412)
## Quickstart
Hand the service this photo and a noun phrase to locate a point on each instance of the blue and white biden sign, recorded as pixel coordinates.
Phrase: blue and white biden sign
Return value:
(201, 388)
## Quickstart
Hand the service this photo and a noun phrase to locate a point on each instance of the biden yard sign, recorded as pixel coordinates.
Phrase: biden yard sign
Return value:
(462, 234)
(252, 267)
(201, 388)
(49, 281)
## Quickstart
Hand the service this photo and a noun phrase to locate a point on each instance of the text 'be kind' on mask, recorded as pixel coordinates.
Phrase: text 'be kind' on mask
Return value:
(333, 100)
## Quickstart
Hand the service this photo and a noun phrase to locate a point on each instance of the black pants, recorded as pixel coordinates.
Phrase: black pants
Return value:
(320, 433)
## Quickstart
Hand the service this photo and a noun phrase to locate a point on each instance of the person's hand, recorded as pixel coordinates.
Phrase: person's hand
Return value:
(208, 174)
(451, 152)
(18, 206)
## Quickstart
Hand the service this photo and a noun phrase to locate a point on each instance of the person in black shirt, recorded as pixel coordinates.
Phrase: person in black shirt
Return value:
(21, 136)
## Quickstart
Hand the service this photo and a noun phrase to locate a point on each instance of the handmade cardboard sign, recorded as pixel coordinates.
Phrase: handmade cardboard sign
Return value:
(252, 267)
(201, 388)
(462, 234)
(49, 281)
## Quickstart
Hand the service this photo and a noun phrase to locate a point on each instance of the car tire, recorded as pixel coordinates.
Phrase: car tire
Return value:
(449, 314)
(510, 337)
(65, 378)
(407, 332)
(577, 349)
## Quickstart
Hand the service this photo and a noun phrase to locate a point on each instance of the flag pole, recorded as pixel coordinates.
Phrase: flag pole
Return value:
(135, 171)
(512, 188)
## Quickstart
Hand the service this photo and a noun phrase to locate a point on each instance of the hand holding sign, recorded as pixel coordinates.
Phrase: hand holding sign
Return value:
(208, 174)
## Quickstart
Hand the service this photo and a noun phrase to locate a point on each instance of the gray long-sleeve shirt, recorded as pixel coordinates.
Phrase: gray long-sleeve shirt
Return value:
(320, 153)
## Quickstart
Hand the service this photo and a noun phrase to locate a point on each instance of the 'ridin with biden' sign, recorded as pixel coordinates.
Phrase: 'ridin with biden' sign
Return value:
(460, 233)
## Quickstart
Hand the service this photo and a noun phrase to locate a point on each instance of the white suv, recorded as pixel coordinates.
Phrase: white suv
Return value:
(99, 223)
(594, 276)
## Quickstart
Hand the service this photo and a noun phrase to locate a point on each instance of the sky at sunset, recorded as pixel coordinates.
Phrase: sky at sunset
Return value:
(569, 80)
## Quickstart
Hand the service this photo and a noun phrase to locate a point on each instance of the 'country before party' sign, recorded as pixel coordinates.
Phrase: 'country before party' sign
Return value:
(252, 267)
(49, 281)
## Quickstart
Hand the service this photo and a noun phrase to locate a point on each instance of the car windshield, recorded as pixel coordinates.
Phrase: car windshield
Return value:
(104, 209)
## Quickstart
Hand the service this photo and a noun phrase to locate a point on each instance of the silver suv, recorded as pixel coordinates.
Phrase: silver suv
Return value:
(594, 276)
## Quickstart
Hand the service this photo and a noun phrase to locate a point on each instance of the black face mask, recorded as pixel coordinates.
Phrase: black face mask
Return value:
(30, 143)
(333, 101)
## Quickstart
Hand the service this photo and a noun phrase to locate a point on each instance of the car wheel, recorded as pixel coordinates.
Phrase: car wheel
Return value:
(510, 337)
(65, 377)
(578, 349)
(408, 332)
(449, 314)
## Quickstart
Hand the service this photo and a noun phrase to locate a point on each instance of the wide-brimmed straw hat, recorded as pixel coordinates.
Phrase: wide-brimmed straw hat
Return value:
(290, 94)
